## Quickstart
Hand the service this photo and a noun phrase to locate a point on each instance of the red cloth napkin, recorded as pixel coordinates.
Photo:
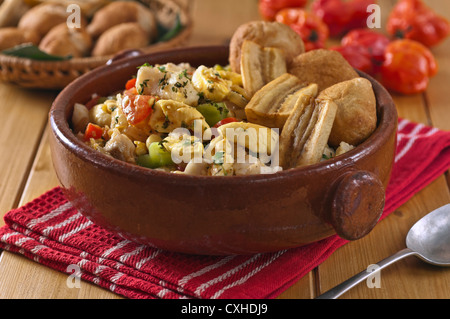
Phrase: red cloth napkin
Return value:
(51, 232)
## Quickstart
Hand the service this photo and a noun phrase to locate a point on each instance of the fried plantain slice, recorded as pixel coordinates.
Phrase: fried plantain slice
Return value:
(313, 150)
(260, 65)
(272, 104)
(295, 132)
(256, 138)
(306, 132)
(267, 34)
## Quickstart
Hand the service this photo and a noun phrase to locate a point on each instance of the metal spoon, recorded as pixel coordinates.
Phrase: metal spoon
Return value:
(428, 239)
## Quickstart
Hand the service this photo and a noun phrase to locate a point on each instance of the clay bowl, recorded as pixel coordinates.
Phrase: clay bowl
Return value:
(220, 215)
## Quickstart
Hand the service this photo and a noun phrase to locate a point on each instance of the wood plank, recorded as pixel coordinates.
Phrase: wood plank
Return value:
(437, 96)
(389, 236)
(412, 107)
(17, 269)
(302, 289)
(42, 176)
(436, 99)
(216, 21)
(386, 239)
(26, 279)
(22, 278)
(24, 116)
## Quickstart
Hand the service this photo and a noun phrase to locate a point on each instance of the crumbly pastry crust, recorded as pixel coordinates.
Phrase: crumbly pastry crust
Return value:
(356, 117)
(323, 67)
(266, 34)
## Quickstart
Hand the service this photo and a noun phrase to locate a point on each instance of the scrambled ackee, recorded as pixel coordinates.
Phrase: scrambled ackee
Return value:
(179, 119)
(203, 121)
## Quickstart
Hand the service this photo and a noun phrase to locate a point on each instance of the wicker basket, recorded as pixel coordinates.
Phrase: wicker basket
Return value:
(56, 75)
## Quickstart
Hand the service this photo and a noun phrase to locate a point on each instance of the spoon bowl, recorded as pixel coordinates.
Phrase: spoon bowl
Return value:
(428, 239)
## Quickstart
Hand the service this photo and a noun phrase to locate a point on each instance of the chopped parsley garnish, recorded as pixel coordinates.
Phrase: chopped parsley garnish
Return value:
(146, 64)
(166, 123)
(161, 144)
(218, 158)
(142, 86)
(189, 142)
(153, 104)
(184, 74)
(163, 82)
(202, 99)
(162, 69)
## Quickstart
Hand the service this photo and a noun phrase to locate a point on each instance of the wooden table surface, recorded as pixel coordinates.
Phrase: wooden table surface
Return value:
(26, 172)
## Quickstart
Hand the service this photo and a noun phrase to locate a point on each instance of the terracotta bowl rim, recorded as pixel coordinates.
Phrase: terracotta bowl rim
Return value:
(387, 124)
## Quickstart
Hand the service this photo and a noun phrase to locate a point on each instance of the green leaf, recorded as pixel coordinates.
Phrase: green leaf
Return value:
(167, 34)
(30, 51)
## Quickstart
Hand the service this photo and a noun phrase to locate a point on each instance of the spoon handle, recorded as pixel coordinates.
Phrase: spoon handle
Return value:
(355, 280)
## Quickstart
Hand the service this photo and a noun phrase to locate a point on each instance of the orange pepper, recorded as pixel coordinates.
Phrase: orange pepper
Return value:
(309, 26)
(408, 67)
(412, 19)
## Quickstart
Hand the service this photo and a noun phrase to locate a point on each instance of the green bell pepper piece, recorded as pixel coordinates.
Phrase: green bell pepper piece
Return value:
(213, 112)
(157, 157)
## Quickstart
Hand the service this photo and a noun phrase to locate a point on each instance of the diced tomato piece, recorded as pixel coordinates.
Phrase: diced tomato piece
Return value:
(130, 84)
(93, 131)
(226, 121)
(137, 107)
(131, 91)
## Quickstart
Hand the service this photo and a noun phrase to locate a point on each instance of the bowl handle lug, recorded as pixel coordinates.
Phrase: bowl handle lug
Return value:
(357, 204)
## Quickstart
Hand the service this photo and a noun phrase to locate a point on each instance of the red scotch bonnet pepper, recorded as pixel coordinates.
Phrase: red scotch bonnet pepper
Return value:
(269, 8)
(408, 67)
(342, 16)
(412, 19)
(310, 27)
(364, 49)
